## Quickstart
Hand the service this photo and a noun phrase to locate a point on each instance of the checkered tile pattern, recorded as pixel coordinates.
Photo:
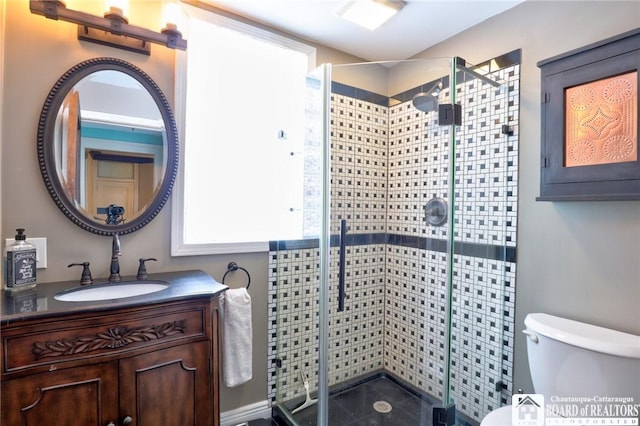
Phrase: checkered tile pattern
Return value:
(386, 163)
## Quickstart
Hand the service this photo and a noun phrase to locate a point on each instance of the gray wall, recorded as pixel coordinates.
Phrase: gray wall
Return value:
(580, 260)
(37, 52)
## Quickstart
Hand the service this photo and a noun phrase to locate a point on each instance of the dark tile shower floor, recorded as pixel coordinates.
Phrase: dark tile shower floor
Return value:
(355, 407)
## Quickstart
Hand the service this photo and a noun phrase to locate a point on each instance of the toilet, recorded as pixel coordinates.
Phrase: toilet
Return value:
(572, 359)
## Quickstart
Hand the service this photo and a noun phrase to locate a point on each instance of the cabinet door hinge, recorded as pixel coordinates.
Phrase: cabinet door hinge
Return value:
(545, 162)
(210, 366)
(546, 97)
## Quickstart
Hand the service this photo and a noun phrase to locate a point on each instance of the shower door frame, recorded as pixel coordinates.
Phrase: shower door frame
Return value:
(324, 247)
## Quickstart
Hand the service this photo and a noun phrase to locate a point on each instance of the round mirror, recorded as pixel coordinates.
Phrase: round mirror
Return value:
(108, 146)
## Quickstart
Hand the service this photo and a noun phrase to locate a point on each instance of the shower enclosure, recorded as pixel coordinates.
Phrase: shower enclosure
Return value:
(402, 296)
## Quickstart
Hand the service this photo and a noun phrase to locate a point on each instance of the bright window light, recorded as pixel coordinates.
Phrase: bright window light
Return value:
(243, 182)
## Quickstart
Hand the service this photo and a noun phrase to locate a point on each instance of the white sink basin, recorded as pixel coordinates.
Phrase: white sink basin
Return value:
(111, 291)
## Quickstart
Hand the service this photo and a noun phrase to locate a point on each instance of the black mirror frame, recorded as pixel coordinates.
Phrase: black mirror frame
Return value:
(46, 154)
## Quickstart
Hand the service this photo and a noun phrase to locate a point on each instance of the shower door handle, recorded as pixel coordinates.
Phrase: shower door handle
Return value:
(341, 293)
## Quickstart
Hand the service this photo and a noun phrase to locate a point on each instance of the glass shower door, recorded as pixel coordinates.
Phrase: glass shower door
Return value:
(380, 154)
(416, 327)
(297, 358)
(483, 228)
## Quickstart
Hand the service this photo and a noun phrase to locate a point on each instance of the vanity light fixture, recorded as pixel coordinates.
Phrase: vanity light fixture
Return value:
(112, 30)
(369, 13)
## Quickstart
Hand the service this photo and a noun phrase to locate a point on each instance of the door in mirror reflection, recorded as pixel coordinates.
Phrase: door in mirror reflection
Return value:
(110, 145)
(127, 181)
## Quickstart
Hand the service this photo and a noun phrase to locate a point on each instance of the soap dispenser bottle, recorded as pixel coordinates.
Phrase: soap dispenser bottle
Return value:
(20, 263)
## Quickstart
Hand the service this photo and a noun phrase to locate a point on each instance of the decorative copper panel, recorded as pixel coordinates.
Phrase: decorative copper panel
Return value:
(601, 121)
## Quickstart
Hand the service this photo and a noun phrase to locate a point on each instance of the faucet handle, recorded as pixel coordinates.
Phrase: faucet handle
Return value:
(115, 245)
(86, 273)
(142, 269)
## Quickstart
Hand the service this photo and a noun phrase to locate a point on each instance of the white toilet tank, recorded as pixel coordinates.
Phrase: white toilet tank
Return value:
(570, 358)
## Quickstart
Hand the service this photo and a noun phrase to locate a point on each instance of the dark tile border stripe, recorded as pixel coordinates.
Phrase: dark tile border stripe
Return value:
(359, 94)
(483, 251)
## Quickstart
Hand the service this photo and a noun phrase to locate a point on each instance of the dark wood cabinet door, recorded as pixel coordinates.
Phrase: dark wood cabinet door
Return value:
(168, 387)
(73, 396)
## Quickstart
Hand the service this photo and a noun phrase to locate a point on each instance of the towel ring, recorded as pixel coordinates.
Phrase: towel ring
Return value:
(233, 266)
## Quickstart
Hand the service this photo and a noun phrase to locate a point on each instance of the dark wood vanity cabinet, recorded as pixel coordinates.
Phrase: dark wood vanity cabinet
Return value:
(142, 366)
(167, 387)
(86, 395)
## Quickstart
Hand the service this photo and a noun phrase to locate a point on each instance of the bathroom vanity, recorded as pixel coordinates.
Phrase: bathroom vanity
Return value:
(145, 360)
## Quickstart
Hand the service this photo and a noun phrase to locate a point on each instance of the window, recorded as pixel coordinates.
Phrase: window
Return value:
(241, 92)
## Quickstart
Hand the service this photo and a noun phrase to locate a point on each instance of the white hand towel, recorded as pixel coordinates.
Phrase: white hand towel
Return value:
(237, 337)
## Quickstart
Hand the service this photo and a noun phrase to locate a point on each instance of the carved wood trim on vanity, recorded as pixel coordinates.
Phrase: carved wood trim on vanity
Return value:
(105, 363)
(75, 340)
(113, 338)
(98, 368)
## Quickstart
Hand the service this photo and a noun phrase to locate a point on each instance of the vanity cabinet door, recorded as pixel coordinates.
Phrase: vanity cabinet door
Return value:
(168, 387)
(85, 395)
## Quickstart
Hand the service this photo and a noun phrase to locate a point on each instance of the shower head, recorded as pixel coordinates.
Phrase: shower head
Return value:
(427, 101)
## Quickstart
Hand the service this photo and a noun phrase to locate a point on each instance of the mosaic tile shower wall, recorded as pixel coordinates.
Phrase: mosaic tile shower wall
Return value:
(387, 162)
(358, 193)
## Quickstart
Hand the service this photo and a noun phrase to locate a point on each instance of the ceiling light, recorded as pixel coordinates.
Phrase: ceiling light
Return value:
(369, 13)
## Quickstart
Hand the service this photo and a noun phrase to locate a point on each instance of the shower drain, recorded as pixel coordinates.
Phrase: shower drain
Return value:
(382, 406)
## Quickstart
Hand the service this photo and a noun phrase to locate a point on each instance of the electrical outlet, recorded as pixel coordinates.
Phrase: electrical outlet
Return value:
(41, 250)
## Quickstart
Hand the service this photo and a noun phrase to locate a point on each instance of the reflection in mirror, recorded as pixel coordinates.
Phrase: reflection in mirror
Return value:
(110, 146)
(107, 146)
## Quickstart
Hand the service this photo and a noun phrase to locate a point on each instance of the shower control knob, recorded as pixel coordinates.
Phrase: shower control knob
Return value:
(435, 212)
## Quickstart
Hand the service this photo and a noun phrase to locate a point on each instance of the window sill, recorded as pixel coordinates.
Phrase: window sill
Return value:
(182, 249)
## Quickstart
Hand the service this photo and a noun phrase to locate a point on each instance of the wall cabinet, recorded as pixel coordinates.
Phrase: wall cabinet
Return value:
(142, 366)
(590, 119)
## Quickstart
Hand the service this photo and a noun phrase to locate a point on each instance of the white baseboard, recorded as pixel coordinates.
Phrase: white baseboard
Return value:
(257, 410)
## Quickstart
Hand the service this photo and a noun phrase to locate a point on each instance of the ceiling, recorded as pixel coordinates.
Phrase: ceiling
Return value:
(418, 26)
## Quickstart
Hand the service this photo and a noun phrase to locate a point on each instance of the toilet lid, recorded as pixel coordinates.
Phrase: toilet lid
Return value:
(499, 417)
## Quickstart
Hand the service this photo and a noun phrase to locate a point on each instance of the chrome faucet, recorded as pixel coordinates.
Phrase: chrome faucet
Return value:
(115, 266)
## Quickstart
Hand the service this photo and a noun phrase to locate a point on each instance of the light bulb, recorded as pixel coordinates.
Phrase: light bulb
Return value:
(171, 16)
(117, 9)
